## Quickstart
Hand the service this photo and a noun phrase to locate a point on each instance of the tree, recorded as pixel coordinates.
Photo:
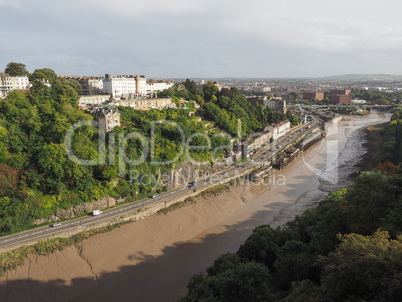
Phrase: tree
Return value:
(223, 263)
(388, 168)
(16, 69)
(305, 290)
(364, 268)
(381, 102)
(242, 282)
(44, 74)
(295, 262)
(51, 159)
(246, 282)
(260, 247)
(210, 90)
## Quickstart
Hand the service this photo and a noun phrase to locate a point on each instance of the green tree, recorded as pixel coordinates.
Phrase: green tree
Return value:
(364, 268)
(44, 74)
(294, 262)
(260, 247)
(16, 69)
(210, 90)
(51, 159)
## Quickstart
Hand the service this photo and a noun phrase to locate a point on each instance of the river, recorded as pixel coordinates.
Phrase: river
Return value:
(153, 259)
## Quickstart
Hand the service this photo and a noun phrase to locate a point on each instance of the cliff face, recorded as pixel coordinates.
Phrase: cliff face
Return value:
(105, 202)
(187, 171)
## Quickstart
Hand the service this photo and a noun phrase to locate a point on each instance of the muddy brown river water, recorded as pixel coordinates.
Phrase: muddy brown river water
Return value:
(153, 259)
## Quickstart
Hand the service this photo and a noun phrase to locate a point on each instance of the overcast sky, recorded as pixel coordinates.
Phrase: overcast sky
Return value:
(203, 38)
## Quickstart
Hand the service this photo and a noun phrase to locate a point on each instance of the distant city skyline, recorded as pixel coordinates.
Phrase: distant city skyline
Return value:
(203, 39)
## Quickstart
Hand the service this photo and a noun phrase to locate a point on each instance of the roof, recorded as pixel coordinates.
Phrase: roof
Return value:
(104, 111)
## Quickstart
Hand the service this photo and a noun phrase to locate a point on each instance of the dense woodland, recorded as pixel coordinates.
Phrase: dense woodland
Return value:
(349, 248)
(37, 177)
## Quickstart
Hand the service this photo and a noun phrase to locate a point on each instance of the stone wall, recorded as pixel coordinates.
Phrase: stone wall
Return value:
(103, 203)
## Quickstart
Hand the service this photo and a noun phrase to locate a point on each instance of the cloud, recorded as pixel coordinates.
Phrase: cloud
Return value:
(109, 34)
(190, 38)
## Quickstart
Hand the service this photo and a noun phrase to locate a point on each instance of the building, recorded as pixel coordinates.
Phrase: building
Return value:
(338, 99)
(257, 100)
(340, 96)
(261, 138)
(279, 129)
(254, 142)
(310, 95)
(91, 100)
(359, 102)
(278, 105)
(340, 91)
(120, 85)
(90, 85)
(146, 104)
(155, 86)
(244, 148)
(107, 118)
(9, 83)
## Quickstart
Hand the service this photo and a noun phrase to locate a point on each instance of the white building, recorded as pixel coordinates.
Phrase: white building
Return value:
(91, 100)
(9, 83)
(155, 86)
(357, 101)
(279, 129)
(120, 85)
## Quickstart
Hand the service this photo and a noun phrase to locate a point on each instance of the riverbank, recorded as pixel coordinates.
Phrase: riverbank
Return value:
(153, 259)
(88, 264)
(373, 145)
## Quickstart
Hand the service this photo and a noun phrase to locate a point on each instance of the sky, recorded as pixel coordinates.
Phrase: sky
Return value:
(203, 38)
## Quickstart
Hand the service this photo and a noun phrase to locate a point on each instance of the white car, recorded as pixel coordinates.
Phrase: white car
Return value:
(226, 173)
(56, 224)
(154, 196)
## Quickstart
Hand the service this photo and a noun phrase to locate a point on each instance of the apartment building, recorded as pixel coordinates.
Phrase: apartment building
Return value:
(90, 85)
(340, 91)
(120, 85)
(278, 105)
(340, 96)
(310, 95)
(155, 86)
(9, 83)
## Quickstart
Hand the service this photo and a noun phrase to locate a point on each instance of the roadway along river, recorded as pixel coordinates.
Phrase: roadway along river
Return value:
(153, 259)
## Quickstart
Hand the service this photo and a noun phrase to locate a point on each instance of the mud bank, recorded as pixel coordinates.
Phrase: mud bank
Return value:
(153, 259)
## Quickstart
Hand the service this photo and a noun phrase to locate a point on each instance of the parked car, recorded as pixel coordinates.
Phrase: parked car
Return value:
(154, 196)
(56, 224)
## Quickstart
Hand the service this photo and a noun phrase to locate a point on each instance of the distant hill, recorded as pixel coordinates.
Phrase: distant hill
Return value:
(364, 77)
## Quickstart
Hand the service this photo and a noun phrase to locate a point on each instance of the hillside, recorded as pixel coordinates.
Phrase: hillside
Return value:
(38, 178)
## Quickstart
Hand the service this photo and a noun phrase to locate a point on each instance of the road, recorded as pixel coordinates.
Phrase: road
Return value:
(110, 214)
